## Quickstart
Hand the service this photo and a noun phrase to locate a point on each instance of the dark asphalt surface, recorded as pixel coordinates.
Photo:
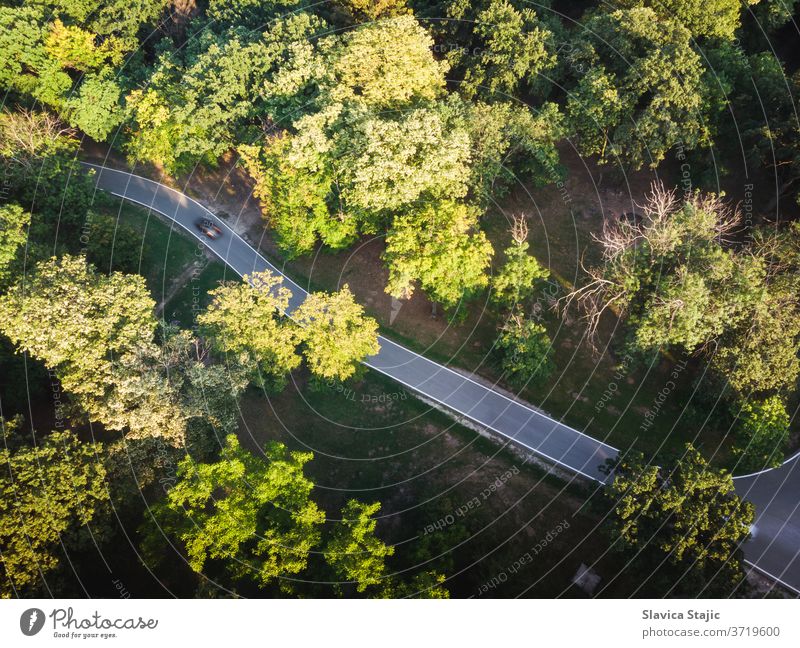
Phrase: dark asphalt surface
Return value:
(775, 546)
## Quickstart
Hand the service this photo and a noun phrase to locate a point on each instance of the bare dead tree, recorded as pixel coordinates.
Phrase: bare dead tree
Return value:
(593, 299)
(514, 322)
(519, 229)
(605, 289)
(24, 133)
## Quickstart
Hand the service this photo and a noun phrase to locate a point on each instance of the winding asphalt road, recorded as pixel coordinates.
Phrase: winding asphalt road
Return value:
(775, 546)
(515, 421)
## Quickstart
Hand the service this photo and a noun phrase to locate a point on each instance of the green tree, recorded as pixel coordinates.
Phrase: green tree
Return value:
(508, 47)
(293, 196)
(711, 18)
(763, 97)
(48, 494)
(247, 321)
(595, 109)
(347, 165)
(386, 163)
(517, 279)
(368, 10)
(526, 351)
(672, 276)
(336, 334)
(170, 390)
(26, 67)
(510, 142)
(438, 245)
(44, 177)
(354, 552)
(198, 100)
(687, 515)
(644, 91)
(76, 48)
(367, 165)
(364, 70)
(762, 434)
(96, 333)
(760, 355)
(426, 585)
(250, 13)
(765, 17)
(96, 109)
(14, 223)
(253, 514)
(119, 18)
(65, 54)
(112, 244)
(77, 322)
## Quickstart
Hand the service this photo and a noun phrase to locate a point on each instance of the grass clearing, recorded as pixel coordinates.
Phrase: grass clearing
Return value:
(588, 391)
(375, 442)
(165, 250)
(192, 297)
(435, 481)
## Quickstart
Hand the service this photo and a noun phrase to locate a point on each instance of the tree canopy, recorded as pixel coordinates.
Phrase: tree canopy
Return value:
(13, 232)
(363, 70)
(245, 320)
(644, 92)
(49, 493)
(96, 332)
(439, 246)
(517, 278)
(336, 334)
(763, 432)
(78, 322)
(354, 552)
(254, 514)
(508, 48)
(717, 18)
(526, 351)
(198, 100)
(684, 518)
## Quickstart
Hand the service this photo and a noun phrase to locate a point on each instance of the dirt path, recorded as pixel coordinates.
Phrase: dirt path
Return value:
(178, 283)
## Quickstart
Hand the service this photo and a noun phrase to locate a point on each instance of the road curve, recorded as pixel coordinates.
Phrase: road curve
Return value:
(774, 546)
(554, 441)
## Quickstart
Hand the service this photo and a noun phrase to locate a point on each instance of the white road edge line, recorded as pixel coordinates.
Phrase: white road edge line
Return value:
(773, 577)
(378, 369)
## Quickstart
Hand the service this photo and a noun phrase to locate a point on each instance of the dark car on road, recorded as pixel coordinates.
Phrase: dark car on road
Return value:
(207, 227)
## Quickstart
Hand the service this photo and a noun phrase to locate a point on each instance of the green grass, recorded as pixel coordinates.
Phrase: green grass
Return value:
(193, 296)
(374, 442)
(587, 391)
(165, 250)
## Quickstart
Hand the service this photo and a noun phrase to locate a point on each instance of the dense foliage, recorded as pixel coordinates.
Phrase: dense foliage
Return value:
(409, 121)
(51, 493)
(681, 524)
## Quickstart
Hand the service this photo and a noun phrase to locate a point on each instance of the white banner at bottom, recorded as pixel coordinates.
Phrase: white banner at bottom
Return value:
(386, 624)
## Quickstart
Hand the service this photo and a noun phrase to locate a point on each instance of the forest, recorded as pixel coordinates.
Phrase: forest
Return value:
(462, 144)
